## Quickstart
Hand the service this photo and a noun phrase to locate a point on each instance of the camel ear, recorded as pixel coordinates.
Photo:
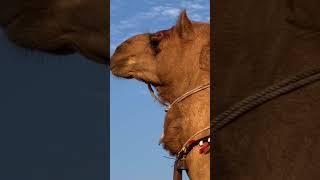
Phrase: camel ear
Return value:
(204, 59)
(184, 26)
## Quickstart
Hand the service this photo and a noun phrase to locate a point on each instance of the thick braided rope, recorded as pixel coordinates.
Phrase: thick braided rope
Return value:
(249, 103)
(283, 87)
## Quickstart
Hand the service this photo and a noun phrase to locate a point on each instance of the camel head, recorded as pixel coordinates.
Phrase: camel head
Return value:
(173, 60)
(58, 26)
(165, 57)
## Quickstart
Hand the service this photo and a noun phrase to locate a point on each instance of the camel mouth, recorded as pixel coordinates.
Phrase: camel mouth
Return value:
(119, 72)
(119, 68)
(127, 77)
(124, 76)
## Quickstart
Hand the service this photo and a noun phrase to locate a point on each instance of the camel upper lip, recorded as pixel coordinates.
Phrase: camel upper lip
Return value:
(113, 62)
(113, 68)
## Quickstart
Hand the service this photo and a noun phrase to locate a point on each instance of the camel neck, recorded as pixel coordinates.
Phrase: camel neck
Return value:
(174, 90)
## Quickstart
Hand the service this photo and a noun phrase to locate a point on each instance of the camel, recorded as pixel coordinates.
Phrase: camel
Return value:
(259, 44)
(58, 26)
(174, 61)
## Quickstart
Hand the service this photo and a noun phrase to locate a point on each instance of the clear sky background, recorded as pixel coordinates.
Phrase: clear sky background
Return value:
(136, 119)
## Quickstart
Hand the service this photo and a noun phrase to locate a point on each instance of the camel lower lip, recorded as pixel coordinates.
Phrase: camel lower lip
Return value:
(115, 73)
(128, 76)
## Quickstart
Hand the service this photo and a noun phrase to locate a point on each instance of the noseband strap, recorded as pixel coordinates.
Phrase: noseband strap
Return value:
(182, 97)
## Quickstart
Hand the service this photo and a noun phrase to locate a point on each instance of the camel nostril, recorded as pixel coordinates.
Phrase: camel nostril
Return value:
(116, 61)
(111, 62)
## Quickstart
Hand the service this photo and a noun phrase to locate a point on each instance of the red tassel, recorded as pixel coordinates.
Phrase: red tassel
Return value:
(204, 148)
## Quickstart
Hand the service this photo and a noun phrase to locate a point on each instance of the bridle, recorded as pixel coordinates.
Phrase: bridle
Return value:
(281, 88)
(180, 98)
(203, 142)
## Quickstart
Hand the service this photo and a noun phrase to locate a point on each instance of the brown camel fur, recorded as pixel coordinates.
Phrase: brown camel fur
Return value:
(58, 26)
(174, 61)
(257, 44)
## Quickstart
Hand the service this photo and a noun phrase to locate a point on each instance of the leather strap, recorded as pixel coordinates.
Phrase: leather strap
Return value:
(179, 166)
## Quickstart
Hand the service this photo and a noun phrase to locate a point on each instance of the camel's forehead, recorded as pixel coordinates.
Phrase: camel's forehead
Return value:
(194, 24)
(165, 32)
(145, 38)
(135, 43)
(137, 38)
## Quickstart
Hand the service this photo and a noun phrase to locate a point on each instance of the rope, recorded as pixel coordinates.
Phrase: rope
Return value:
(182, 97)
(297, 81)
(187, 94)
(283, 87)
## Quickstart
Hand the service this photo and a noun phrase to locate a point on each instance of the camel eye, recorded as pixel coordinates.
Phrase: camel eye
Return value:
(155, 40)
(154, 43)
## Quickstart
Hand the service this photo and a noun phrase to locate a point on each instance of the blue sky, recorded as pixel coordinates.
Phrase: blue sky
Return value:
(136, 119)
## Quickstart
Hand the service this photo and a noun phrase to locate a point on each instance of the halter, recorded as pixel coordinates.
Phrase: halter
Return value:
(203, 142)
(182, 97)
(283, 87)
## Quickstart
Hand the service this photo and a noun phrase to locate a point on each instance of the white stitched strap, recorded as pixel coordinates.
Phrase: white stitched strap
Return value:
(186, 95)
